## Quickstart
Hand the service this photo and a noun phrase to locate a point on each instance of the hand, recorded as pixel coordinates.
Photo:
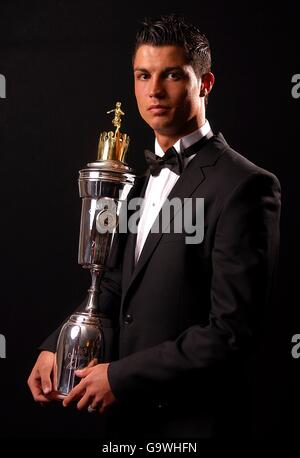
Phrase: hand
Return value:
(93, 390)
(39, 380)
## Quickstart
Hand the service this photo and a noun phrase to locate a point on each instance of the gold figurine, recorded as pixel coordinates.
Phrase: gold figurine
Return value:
(117, 119)
(113, 145)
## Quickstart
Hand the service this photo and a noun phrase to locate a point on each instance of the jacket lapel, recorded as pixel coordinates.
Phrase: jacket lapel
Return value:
(191, 178)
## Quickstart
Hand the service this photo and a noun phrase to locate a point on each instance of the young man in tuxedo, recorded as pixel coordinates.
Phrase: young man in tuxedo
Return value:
(182, 317)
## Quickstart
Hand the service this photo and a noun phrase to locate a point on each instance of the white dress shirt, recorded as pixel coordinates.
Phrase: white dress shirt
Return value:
(160, 186)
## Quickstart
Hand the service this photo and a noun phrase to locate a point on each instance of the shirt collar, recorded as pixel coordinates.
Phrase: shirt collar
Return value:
(186, 141)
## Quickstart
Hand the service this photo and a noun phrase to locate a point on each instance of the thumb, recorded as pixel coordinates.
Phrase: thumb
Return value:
(46, 386)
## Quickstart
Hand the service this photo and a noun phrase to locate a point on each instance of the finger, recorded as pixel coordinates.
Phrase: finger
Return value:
(84, 372)
(45, 373)
(77, 392)
(103, 408)
(36, 390)
(93, 362)
(41, 398)
(85, 401)
(54, 374)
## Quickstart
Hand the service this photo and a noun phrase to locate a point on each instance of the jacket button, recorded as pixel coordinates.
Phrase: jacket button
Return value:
(128, 318)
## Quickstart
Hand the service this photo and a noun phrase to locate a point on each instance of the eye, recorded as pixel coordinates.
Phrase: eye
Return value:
(174, 76)
(142, 76)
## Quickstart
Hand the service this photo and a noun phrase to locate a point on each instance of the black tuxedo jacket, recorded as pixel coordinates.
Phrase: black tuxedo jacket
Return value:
(180, 325)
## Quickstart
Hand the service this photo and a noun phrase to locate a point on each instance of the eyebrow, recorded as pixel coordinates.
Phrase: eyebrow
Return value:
(165, 70)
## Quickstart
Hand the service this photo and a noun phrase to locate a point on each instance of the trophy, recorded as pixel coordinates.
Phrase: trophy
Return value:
(103, 186)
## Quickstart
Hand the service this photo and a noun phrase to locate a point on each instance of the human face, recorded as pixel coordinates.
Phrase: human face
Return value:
(167, 90)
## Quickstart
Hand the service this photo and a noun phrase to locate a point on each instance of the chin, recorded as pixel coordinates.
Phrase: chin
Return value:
(158, 122)
(159, 125)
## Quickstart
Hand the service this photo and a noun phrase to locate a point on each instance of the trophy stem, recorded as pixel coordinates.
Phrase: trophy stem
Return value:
(92, 302)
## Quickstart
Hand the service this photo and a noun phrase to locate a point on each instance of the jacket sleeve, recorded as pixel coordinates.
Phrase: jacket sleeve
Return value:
(244, 260)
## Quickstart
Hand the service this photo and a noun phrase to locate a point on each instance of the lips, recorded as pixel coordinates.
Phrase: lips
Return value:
(158, 109)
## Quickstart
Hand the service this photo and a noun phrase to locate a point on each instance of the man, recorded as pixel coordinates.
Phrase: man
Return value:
(183, 316)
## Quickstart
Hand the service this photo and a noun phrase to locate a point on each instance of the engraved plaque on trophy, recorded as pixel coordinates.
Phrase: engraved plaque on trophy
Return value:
(103, 186)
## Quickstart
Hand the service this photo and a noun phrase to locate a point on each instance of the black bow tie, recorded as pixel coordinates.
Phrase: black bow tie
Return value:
(171, 159)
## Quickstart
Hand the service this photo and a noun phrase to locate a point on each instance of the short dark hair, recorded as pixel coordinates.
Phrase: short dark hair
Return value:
(174, 30)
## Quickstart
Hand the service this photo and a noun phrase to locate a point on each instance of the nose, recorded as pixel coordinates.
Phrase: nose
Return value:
(156, 89)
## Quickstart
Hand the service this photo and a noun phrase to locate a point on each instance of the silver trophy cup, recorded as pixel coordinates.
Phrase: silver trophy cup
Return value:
(103, 186)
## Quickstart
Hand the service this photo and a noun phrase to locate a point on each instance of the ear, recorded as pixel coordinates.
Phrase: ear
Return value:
(207, 82)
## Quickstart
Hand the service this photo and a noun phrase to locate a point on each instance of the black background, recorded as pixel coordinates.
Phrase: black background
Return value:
(66, 64)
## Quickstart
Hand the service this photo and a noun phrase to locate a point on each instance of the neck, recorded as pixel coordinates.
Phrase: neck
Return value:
(167, 139)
